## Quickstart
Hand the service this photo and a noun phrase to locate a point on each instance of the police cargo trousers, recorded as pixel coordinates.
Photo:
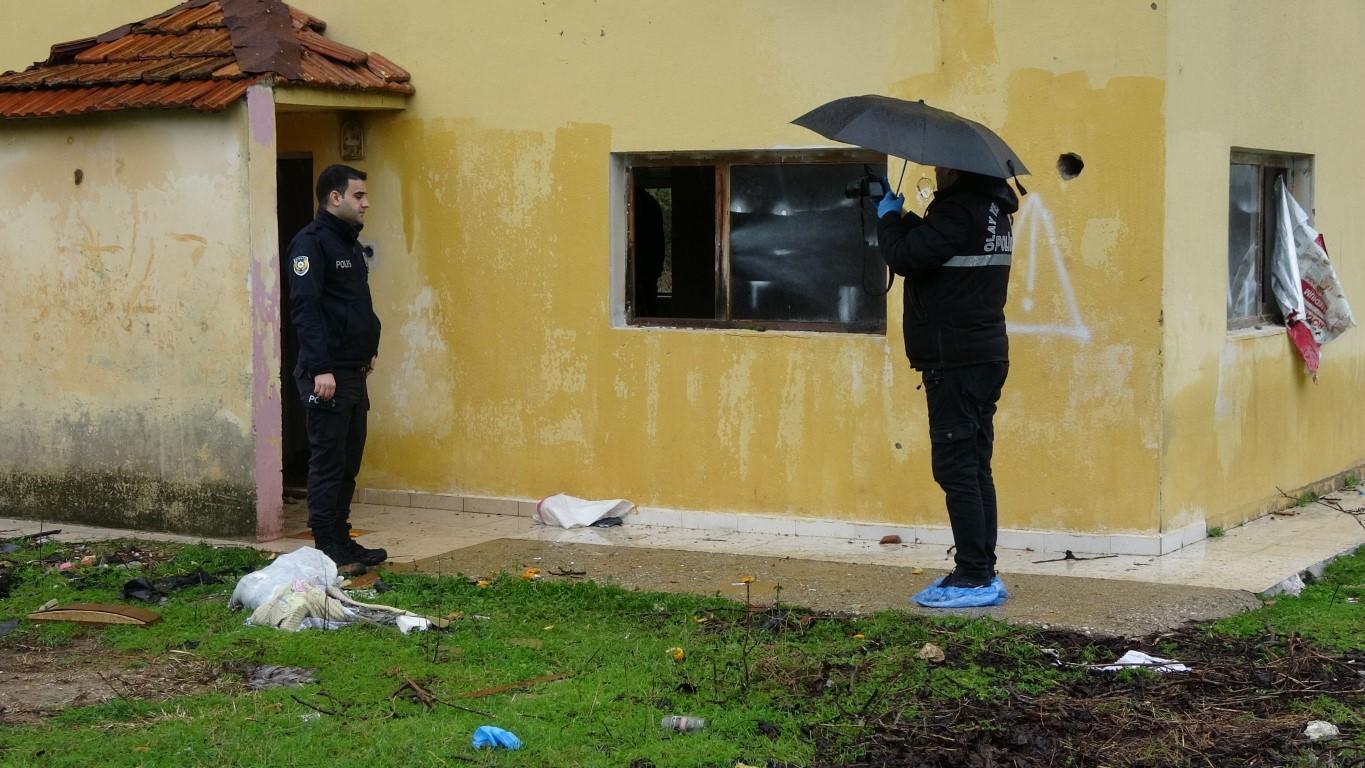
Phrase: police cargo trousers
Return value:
(961, 431)
(336, 442)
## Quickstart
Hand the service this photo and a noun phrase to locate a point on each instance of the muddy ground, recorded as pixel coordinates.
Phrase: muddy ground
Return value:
(38, 681)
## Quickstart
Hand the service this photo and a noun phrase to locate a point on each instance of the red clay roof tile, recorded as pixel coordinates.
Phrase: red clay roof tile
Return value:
(387, 69)
(191, 57)
(331, 49)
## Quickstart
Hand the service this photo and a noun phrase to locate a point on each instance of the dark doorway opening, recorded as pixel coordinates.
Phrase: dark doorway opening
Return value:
(294, 190)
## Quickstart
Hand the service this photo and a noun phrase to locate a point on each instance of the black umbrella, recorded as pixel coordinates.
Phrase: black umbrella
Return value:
(915, 131)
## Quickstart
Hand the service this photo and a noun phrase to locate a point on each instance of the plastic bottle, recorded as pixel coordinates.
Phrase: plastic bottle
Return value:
(682, 723)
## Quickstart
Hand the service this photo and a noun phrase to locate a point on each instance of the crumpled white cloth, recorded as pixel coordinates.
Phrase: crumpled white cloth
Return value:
(289, 606)
(304, 606)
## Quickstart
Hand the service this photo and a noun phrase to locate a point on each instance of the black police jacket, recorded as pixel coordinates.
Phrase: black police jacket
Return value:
(956, 264)
(329, 287)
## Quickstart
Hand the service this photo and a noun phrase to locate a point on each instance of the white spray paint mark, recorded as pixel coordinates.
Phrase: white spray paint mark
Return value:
(1033, 217)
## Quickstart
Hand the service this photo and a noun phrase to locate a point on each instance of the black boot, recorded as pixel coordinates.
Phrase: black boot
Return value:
(348, 564)
(358, 552)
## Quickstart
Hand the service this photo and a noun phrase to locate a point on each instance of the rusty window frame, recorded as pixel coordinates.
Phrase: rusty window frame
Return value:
(1298, 172)
(722, 161)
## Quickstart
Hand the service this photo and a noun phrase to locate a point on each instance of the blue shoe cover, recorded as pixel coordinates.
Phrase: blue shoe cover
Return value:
(934, 596)
(494, 737)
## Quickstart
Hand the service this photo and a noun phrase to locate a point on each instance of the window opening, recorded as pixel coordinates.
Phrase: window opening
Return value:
(754, 240)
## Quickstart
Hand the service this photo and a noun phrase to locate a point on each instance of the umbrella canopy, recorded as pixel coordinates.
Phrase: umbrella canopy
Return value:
(915, 131)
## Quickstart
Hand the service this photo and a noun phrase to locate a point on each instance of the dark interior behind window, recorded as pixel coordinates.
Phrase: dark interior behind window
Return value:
(754, 240)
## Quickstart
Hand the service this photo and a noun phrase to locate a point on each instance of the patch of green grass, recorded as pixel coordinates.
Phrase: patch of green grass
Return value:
(1350, 481)
(786, 668)
(1323, 611)
(1306, 498)
(810, 677)
(1216, 532)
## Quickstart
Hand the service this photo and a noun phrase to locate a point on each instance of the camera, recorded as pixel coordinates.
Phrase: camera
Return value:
(870, 185)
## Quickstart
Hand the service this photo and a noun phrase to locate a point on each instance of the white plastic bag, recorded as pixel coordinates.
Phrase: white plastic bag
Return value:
(568, 511)
(306, 565)
(1140, 659)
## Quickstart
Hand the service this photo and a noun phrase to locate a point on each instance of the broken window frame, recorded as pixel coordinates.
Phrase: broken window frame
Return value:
(722, 162)
(1298, 172)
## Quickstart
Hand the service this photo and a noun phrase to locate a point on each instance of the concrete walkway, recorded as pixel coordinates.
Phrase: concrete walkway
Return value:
(1124, 594)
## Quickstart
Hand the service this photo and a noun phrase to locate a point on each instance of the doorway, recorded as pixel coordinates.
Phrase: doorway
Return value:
(294, 189)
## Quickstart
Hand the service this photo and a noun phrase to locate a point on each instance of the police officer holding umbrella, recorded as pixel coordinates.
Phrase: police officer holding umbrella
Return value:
(956, 264)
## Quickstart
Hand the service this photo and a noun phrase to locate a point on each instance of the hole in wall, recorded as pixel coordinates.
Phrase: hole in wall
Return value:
(1070, 165)
(80, 176)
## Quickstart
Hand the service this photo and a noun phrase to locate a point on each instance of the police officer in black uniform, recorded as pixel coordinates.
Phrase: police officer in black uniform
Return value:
(338, 344)
(956, 264)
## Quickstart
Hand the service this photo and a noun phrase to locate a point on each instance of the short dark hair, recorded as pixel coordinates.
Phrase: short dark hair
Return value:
(335, 178)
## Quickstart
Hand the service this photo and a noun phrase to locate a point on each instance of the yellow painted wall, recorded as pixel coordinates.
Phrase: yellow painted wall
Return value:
(1128, 408)
(501, 374)
(125, 310)
(1241, 415)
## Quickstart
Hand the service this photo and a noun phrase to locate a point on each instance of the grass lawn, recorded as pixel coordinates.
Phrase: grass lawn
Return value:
(776, 686)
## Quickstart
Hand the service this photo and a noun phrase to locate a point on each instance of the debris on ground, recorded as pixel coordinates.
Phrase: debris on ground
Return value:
(682, 723)
(1072, 556)
(891, 539)
(493, 737)
(8, 626)
(299, 591)
(568, 511)
(363, 581)
(1318, 730)
(931, 653)
(486, 692)
(29, 539)
(263, 677)
(97, 613)
(157, 591)
(1139, 659)
(408, 624)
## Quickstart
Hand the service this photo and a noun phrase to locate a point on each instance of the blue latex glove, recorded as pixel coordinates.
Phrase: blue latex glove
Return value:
(889, 203)
(494, 737)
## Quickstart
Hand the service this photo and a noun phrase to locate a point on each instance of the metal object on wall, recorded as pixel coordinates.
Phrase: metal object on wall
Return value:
(352, 139)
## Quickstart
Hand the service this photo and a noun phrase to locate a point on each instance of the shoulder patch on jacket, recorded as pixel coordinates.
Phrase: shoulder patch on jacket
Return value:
(300, 265)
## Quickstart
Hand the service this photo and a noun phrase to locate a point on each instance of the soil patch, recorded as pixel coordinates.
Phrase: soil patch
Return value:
(1245, 703)
(37, 682)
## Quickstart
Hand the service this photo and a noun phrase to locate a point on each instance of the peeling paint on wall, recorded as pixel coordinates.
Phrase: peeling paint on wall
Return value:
(130, 387)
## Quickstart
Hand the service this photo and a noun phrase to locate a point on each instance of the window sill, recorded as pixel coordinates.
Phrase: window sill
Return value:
(1255, 332)
(878, 336)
